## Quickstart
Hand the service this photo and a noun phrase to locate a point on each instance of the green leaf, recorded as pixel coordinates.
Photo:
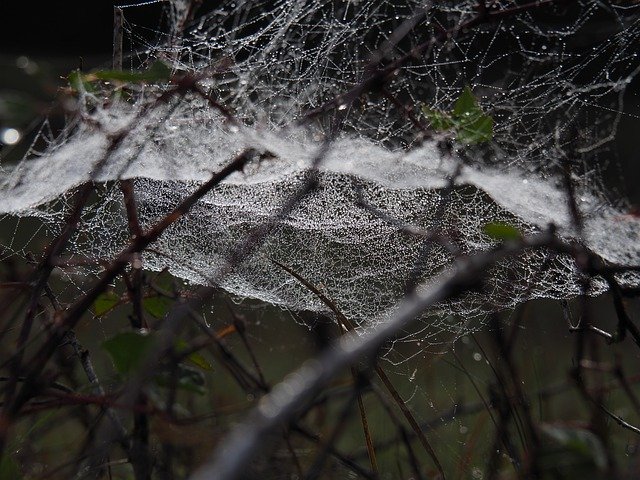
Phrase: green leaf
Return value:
(472, 125)
(199, 361)
(105, 302)
(195, 358)
(77, 81)
(160, 304)
(127, 350)
(502, 231)
(158, 72)
(476, 130)
(164, 280)
(466, 105)
(467, 119)
(439, 120)
(157, 306)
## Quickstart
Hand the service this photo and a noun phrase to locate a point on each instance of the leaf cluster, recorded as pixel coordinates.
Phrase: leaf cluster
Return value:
(467, 120)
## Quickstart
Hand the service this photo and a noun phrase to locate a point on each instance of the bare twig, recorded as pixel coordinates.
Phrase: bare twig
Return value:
(349, 327)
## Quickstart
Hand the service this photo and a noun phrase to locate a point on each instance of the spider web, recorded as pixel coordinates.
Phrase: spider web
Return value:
(553, 81)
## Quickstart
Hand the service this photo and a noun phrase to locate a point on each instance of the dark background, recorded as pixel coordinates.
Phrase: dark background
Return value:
(66, 29)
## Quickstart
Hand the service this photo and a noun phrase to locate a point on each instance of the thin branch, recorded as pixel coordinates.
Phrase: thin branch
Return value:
(619, 420)
(349, 327)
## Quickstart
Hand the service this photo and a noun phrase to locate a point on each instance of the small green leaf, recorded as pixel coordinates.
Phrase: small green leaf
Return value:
(199, 361)
(439, 120)
(158, 72)
(502, 231)
(78, 81)
(160, 304)
(467, 119)
(466, 105)
(478, 130)
(157, 306)
(127, 350)
(75, 79)
(164, 280)
(472, 125)
(105, 302)
(195, 358)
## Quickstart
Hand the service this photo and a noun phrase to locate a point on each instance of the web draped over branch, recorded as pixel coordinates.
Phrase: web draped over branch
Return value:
(392, 209)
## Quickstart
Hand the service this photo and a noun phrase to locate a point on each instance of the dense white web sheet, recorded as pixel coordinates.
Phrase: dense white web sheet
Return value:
(272, 61)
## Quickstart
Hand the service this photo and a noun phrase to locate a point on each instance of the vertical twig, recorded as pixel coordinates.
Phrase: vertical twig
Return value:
(135, 230)
(141, 458)
(401, 430)
(349, 327)
(240, 325)
(357, 378)
(118, 30)
(316, 468)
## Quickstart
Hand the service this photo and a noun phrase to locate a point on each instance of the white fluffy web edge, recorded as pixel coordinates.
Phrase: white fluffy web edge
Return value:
(361, 261)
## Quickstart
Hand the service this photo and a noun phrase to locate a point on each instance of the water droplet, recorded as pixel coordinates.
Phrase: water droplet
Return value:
(10, 136)
(22, 62)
